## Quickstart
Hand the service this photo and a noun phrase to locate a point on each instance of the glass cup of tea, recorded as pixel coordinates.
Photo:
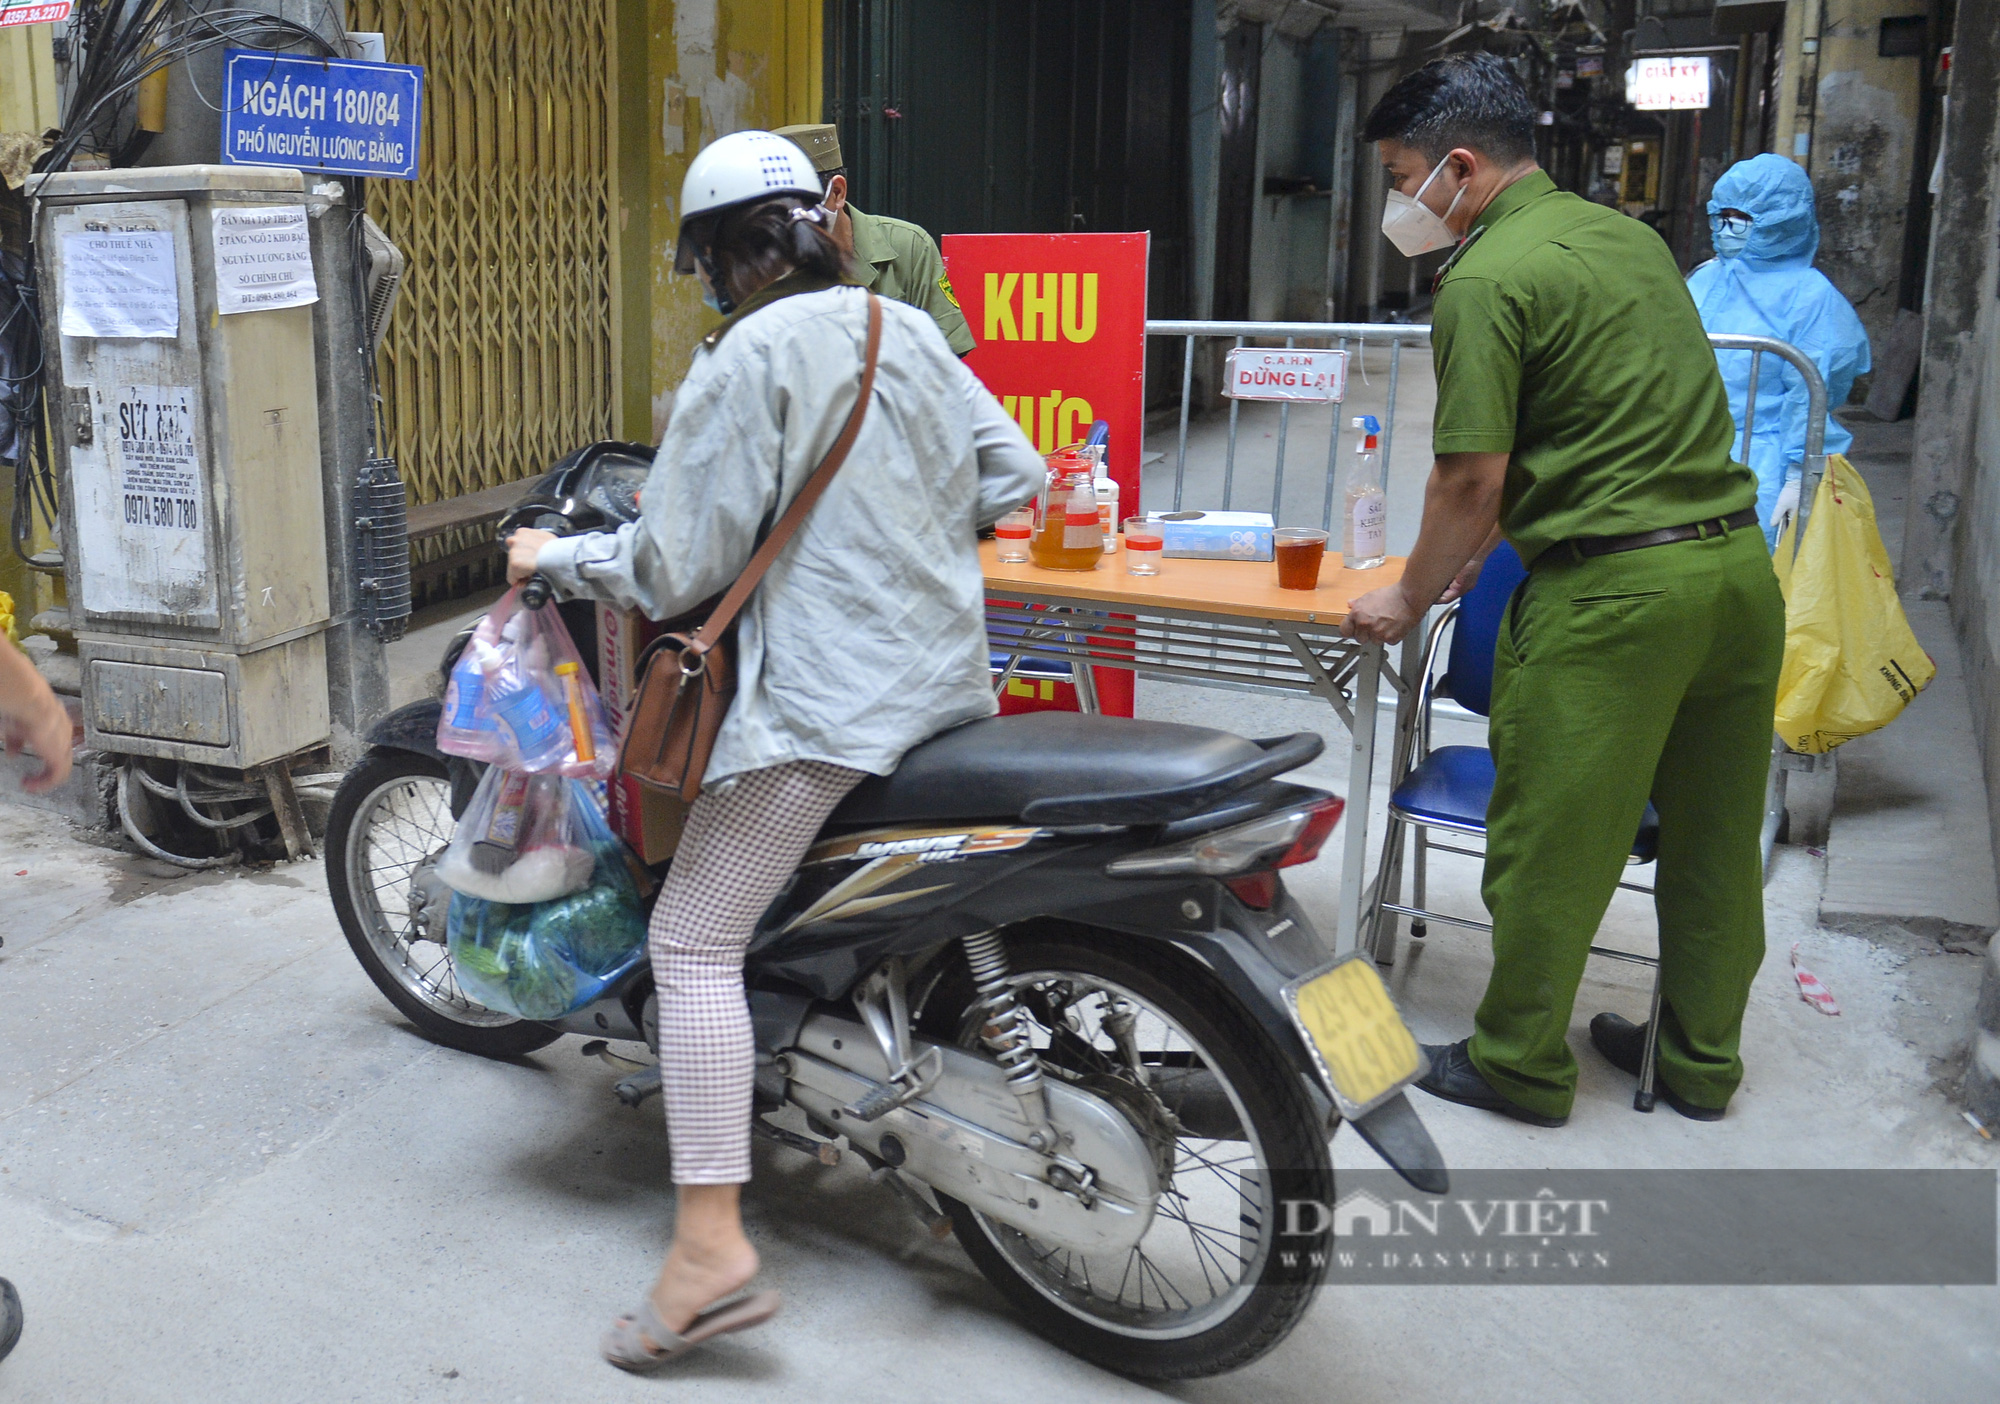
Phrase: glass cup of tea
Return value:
(1298, 551)
(1144, 541)
(1012, 532)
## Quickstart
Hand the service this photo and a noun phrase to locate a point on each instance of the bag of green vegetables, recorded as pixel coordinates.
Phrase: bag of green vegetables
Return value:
(542, 960)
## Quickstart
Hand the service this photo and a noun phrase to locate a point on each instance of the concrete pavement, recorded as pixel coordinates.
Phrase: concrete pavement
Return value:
(229, 1172)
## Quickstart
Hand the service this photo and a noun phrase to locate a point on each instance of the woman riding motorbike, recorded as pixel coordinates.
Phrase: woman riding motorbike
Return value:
(866, 636)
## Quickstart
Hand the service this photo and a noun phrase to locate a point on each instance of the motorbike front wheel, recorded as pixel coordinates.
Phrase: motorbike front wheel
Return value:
(391, 818)
(1233, 1132)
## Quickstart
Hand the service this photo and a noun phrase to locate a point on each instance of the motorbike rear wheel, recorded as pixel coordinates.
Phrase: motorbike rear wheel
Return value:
(1206, 1290)
(390, 820)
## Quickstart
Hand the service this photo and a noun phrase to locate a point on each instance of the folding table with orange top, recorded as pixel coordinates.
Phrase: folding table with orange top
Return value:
(1215, 624)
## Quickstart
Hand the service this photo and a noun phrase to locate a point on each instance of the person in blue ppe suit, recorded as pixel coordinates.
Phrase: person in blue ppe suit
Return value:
(1762, 283)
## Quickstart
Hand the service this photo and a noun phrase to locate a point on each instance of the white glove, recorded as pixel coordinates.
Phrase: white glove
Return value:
(1786, 505)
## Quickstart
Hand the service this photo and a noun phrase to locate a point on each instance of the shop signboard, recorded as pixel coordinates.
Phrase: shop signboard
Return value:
(1668, 84)
(13, 12)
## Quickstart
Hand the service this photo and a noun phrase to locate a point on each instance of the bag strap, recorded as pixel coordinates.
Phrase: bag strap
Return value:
(712, 628)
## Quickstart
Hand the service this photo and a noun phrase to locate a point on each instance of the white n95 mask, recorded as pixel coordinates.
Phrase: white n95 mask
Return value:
(1412, 226)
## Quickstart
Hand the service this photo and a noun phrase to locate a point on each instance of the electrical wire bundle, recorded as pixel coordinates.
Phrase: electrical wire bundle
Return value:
(116, 45)
(243, 802)
(121, 43)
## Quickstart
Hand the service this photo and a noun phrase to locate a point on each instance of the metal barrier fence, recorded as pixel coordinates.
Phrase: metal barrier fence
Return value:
(1360, 335)
(1342, 335)
(1334, 335)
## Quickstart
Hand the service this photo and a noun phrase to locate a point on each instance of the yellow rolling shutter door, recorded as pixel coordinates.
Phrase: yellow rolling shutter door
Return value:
(499, 359)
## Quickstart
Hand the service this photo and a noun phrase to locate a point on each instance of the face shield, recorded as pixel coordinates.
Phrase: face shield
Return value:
(693, 234)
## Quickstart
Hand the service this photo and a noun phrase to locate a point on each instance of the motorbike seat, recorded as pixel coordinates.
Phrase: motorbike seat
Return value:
(1066, 768)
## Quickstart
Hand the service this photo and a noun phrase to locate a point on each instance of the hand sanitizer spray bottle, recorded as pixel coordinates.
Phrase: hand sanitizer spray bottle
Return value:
(1364, 538)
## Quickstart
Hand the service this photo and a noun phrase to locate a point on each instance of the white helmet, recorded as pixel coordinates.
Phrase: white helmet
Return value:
(736, 169)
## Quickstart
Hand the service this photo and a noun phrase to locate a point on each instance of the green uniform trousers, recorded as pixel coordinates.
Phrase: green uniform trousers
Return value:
(1649, 673)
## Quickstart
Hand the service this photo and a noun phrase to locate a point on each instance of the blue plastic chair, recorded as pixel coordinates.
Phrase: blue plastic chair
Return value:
(1450, 787)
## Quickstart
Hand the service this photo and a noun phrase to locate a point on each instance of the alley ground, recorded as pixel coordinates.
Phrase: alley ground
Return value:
(230, 1172)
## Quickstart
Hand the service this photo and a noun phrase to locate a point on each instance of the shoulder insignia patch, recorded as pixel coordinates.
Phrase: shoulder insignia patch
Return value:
(944, 286)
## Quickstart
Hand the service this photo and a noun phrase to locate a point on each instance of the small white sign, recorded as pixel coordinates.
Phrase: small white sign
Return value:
(142, 507)
(1255, 373)
(263, 259)
(120, 281)
(1668, 84)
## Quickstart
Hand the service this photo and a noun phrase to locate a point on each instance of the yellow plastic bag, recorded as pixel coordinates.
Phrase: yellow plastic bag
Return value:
(1851, 662)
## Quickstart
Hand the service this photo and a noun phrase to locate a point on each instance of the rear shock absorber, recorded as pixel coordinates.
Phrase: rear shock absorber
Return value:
(1004, 1030)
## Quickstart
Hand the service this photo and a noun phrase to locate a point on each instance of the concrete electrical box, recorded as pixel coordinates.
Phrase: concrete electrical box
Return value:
(184, 402)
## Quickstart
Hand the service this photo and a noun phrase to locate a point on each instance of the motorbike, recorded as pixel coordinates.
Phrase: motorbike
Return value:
(1045, 981)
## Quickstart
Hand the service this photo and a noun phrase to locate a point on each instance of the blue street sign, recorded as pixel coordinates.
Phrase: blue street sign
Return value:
(321, 114)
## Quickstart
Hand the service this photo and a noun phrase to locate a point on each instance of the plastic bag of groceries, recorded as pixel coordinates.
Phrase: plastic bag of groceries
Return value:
(542, 959)
(523, 839)
(519, 697)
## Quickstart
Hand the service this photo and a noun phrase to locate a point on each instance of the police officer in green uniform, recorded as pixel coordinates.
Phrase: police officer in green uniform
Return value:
(1580, 410)
(894, 257)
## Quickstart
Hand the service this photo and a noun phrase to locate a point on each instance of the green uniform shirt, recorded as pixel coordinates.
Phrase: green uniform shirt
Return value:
(898, 259)
(1565, 337)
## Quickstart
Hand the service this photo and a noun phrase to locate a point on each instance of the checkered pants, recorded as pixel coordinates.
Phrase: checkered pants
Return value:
(741, 845)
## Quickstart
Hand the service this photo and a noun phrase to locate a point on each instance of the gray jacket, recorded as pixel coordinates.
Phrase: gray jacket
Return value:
(868, 634)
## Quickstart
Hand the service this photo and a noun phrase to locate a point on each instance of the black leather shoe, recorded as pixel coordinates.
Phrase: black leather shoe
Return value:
(1623, 1044)
(1453, 1078)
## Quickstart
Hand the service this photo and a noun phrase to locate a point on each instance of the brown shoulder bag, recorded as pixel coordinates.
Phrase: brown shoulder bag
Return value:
(687, 680)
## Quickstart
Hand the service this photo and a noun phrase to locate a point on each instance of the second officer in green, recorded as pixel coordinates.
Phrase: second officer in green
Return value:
(1579, 407)
(891, 256)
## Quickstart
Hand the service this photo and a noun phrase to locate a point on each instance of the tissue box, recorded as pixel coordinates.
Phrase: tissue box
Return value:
(1216, 536)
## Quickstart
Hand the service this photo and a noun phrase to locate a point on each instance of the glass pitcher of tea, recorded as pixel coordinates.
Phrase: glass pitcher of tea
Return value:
(1068, 533)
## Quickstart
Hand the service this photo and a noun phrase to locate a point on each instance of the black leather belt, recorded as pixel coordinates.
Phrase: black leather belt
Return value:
(1611, 545)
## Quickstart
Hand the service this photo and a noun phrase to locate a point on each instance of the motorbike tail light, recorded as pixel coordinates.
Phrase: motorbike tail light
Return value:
(1306, 846)
(1254, 890)
(1276, 840)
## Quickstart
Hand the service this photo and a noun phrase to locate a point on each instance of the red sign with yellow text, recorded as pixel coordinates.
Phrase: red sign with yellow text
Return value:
(1061, 325)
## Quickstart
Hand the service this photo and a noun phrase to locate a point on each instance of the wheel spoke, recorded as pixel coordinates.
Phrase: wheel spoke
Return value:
(1201, 1253)
(399, 830)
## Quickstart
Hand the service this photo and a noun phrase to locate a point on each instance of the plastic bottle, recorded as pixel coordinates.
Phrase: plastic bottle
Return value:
(1364, 538)
(1107, 505)
(1096, 448)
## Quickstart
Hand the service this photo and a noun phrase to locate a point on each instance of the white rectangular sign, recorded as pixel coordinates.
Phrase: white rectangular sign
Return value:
(142, 507)
(1258, 373)
(120, 281)
(1668, 84)
(263, 259)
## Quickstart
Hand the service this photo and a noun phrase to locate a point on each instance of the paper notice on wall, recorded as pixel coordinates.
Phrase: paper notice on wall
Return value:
(144, 511)
(263, 259)
(120, 282)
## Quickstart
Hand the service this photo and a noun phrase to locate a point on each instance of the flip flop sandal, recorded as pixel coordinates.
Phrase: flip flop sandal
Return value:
(624, 1345)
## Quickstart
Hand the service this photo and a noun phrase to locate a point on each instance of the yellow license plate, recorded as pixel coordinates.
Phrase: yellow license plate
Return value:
(1361, 1038)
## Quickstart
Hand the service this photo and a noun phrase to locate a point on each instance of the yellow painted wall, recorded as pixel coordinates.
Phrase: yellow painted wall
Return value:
(1861, 125)
(1801, 19)
(27, 78)
(715, 67)
(27, 104)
